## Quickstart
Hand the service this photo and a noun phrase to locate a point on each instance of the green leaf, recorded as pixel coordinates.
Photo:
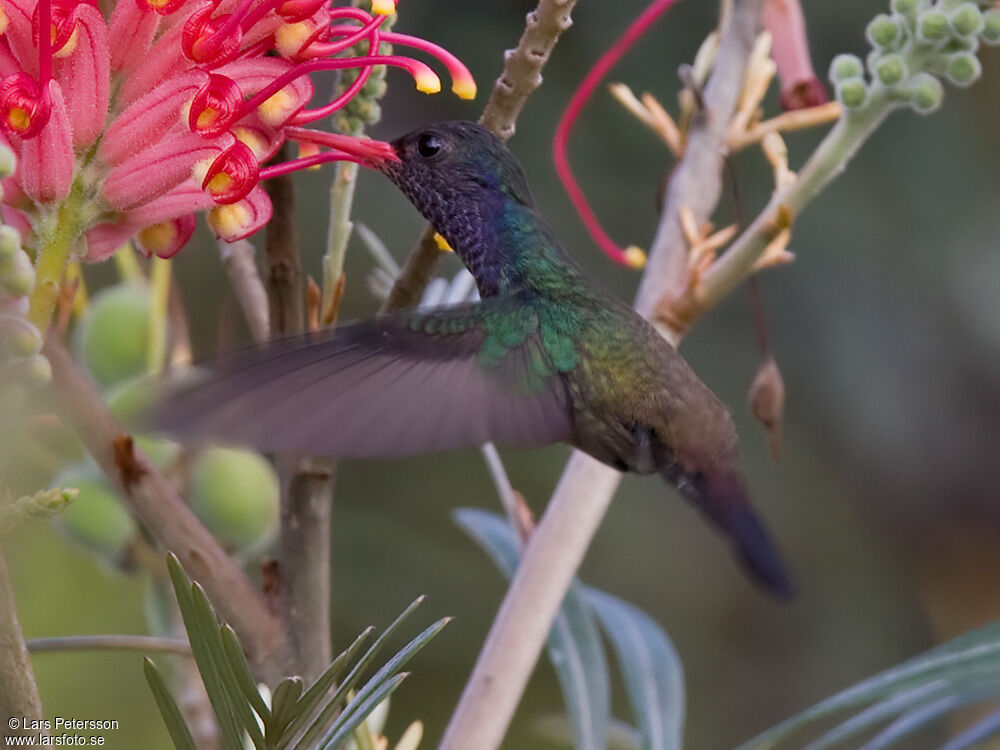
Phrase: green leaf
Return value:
(206, 646)
(651, 668)
(574, 643)
(284, 708)
(966, 657)
(241, 670)
(988, 727)
(303, 708)
(358, 711)
(329, 708)
(176, 726)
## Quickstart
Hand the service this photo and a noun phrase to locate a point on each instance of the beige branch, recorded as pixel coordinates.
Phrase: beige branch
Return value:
(585, 490)
(18, 692)
(238, 260)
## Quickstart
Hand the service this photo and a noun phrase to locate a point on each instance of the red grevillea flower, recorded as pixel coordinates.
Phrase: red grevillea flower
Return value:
(631, 256)
(127, 125)
(800, 88)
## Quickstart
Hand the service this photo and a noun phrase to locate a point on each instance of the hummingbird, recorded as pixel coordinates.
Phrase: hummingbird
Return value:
(545, 356)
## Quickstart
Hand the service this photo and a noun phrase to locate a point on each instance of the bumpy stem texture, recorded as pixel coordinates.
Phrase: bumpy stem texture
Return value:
(167, 516)
(18, 692)
(577, 507)
(522, 74)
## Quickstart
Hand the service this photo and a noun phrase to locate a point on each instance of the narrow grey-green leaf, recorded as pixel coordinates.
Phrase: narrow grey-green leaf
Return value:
(284, 706)
(171, 713)
(574, 643)
(201, 636)
(976, 650)
(358, 711)
(651, 668)
(241, 670)
(323, 716)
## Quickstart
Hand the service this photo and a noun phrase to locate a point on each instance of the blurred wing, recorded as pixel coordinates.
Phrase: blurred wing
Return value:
(401, 384)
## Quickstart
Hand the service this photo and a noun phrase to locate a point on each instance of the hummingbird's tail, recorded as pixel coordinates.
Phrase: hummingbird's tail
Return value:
(725, 502)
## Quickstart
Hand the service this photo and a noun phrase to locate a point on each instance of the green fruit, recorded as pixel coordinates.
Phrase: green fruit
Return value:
(891, 69)
(97, 518)
(991, 26)
(926, 93)
(883, 31)
(235, 494)
(967, 19)
(932, 26)
(905, 6)
(113, 339)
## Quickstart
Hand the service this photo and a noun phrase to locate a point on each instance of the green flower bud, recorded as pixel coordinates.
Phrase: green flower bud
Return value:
(37, 370)
(991, 26)
(852, 93)
(18, 337)
(97, 519)
(8, 162)
(10, 240)
(926, 93)
(932, 26)
(905, 7)
(113, 339)
(963, 69)
(845, 67)
(235, 494)
(374, 88)
(883, 31)
(966, 19)
(17, 275)
(891, 69)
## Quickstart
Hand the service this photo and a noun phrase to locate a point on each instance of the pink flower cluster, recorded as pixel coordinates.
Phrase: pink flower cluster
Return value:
(165, 108)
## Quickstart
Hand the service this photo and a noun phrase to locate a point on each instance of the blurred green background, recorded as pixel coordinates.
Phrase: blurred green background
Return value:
(887, 330)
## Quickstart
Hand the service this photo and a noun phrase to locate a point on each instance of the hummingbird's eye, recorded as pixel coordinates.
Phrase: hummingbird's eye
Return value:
(429, 145)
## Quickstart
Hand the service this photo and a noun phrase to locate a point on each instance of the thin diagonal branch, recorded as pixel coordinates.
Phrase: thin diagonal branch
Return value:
(522, 74)
(18, 692)
(144, 643)
(168, 518)
(584, 492)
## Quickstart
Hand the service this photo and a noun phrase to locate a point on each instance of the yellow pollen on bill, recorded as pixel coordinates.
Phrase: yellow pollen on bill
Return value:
(635, 257)
(290, 37)
(252, 140)
(276, 108)
(158, 237)
(229, 220)
(70, 47)
(442, 243)
(428, 82)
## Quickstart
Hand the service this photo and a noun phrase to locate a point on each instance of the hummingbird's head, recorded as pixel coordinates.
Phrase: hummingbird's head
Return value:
(455, 169)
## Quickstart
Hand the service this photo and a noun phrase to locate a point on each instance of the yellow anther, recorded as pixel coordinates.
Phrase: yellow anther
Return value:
(70, 47)
(276, 108)
(157, 237)
(230, 219)
(208, 117)
(4, 21)
(18, 119)
(220, 183)
(383, 7)
(635, 257)
(290, 37)
(442, 243)
(252, 140)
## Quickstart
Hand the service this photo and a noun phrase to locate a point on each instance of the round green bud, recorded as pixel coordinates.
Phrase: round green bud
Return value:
(932, 26)
(18, 337)
(8, 162)
(844, 67)
(926, 93)
(852, 93)
(235, 494)
(97, 518)
(963, 69)
(966, 19)
(374, 88)
(991, 26)
(10, 241)
(113, 339)
(891, 69)
(883, 31)
(17, 275)
(37, 370)
(906, 7)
